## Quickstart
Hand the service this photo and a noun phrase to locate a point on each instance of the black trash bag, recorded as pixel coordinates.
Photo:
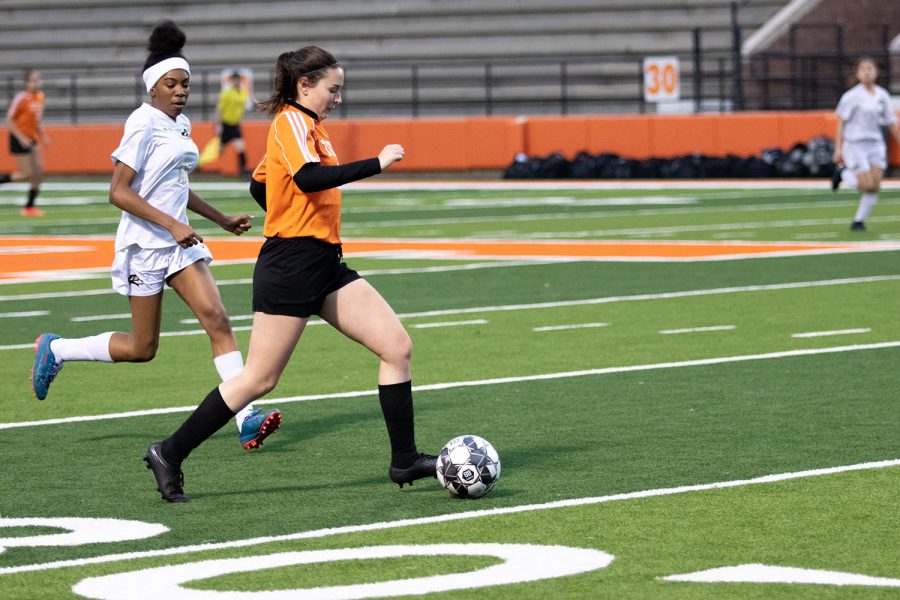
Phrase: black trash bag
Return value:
(818, 157)
(646, 169)
(730, 165)
(554, 166)
(620, 168)
(754, 167)
(604, 160)
(658, 167)
(684, 167)
(585, 166)
(772, 156)
(522, 167)
(791, 164)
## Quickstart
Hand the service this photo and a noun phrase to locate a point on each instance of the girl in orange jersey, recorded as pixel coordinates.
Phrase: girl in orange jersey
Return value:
(300, 273)
(23, 119)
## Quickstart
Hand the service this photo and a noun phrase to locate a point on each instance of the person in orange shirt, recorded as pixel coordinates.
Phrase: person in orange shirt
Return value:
(300, 273)
(23, 119)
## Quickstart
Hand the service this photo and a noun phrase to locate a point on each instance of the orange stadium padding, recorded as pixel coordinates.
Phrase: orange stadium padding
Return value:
(471, 143)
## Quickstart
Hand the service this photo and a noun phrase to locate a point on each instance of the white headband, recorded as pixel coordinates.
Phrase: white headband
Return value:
(155, 72)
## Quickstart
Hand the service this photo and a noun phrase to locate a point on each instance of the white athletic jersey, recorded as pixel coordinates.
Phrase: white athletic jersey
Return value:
(161, 152)
(864, 114)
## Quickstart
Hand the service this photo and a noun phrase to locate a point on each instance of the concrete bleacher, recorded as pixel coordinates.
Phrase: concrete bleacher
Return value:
(513, 52)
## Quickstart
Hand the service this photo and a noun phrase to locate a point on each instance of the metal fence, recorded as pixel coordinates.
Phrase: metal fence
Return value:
(785, 80)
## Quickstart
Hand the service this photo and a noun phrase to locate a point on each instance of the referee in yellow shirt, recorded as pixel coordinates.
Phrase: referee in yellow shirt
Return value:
(229, 111)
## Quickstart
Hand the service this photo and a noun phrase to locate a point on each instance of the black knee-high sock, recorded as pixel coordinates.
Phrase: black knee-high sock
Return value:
(208, 418)
(397, 407)
(5, 178)
(32, 196)
(242, 162)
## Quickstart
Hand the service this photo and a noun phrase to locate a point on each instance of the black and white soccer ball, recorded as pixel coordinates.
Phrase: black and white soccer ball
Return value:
(468, 466)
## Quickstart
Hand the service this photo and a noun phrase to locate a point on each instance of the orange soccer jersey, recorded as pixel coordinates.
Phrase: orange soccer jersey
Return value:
(26, 111)
(295, 139)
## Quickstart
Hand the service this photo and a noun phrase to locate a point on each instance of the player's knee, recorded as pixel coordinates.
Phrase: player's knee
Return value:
(264, 384)
(398, 349)
(215, 321)
(144, 352)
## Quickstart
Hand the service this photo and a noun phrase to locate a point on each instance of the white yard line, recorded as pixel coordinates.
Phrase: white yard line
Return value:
(565, 327)
(812, 334)
(586, 302)
(445, 518)
(28, 313)
(100, 317)
(54, 295)
(449, 324)
(697, 329)
(481, 382)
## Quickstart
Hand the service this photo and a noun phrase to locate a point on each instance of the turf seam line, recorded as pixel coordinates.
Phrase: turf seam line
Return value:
(249, 280)
(413, 184)
(379, 526)
(480, 382)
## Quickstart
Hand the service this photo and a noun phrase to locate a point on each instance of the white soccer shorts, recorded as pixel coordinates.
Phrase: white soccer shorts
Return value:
(140, 271)
(861, 156)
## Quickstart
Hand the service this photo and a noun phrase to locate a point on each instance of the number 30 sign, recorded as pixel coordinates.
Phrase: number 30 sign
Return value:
(661, 78)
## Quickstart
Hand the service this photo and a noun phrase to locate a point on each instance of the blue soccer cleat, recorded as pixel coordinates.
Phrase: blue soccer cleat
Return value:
(45, 367)
(257, 427)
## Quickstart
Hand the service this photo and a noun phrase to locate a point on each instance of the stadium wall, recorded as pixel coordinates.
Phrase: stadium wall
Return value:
(483, 143)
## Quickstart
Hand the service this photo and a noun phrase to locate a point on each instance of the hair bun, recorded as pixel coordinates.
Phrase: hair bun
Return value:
(166, 38)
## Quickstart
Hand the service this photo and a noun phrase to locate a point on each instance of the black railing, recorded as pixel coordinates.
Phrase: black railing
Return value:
(803, 79)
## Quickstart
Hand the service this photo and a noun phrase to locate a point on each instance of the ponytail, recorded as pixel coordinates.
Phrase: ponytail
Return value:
(311, 62)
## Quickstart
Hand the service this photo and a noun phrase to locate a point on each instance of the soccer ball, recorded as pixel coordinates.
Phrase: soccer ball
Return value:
(468, 466)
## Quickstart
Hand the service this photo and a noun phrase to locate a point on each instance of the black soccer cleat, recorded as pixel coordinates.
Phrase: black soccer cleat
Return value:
(857, 226)
(836, 178)
(424, 466)
(169, 479)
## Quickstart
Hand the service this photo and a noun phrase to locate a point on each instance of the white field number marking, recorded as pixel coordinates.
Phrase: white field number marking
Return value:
(755, 573)
(79, 531)
(521, 563)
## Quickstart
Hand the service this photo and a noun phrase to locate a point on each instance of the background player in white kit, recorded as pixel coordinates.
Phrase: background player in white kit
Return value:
(155, 244)
(859, 142)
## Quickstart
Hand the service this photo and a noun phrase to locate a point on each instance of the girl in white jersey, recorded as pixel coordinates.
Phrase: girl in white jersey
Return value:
(859, 142)
(155, 244)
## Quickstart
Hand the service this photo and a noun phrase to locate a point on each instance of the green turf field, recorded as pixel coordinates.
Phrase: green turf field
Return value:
(654, 418)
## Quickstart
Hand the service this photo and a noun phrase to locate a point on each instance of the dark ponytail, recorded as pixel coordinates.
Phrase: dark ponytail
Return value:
(166, 41)
(311, 62)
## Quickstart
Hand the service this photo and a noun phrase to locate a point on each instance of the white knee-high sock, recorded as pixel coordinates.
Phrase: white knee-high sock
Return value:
(230, 365)
(94, 348)
(848, 177)
(866, 204)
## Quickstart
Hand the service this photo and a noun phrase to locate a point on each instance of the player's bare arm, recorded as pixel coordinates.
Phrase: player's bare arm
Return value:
(122, 196)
